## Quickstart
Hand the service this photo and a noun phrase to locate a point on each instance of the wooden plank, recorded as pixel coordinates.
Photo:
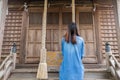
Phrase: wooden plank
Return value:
(60, 27)
(77, 20)
(84, 9)
(23, 36)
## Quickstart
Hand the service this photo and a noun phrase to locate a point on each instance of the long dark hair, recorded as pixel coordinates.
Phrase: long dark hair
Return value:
(70, 36)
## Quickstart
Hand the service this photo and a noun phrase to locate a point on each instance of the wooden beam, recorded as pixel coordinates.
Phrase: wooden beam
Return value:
(117, 19)
(42, 69)
(3, 9)
(73, 10)
(23, 36)
(60, 26)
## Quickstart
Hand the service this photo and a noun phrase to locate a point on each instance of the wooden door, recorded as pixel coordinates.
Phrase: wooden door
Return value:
(34, 35)
(52, 39)
(57, 23)
(87, 31)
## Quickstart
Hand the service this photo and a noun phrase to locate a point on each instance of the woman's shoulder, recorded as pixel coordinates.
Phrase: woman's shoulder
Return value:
(63, 39)
(80, 38)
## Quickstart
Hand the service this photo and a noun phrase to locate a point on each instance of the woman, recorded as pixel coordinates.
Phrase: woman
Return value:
(73, 51)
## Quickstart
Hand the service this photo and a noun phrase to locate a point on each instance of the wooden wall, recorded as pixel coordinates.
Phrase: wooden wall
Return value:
(3, 11)
(12, 33)
(25, 30)
(107, 26)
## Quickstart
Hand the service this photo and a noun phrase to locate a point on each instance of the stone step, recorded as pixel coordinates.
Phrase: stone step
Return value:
(32, 76)
(34, 69)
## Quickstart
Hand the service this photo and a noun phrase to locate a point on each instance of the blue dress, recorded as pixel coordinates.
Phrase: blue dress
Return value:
(72, 67)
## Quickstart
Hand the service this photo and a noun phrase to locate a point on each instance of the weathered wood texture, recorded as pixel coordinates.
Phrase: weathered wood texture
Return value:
(112, 64)
(57, 21)
(34, 34)
(104, 1)
(87, 31)
(34, 37)
(3, 11)
(7, 66)
(108, 30)
(12, 33)
(118, 10)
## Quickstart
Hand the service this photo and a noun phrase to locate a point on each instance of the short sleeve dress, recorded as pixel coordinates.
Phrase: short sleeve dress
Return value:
(72, 67)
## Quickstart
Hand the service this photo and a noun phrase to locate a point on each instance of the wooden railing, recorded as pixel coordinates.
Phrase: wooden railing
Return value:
(113, 65)
(8, 64)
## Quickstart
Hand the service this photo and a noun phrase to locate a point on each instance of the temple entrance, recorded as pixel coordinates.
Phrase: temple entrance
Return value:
(57, 22)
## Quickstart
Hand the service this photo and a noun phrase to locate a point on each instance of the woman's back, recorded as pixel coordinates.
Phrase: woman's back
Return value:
(72, 67)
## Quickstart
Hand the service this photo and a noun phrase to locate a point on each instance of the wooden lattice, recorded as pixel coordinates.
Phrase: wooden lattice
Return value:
(108, 32)
(12, 33)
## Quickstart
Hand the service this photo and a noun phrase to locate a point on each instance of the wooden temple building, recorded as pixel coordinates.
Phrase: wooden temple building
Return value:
(37, 27)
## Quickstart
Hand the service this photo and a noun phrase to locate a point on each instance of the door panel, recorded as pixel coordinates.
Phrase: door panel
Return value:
(33, 46)
(86, 30)
(34, 35)
(33, 38)
(52, 40)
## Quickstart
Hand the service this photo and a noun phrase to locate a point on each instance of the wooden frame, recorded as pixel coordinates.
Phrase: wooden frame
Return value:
(117, 23)
(23, 36)
(97, 30)
(27, 27)
(60, 25)
(88, 9)
(113, 16)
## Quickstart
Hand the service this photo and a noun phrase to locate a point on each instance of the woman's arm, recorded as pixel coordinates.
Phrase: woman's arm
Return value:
(62, 46)
(82, 49)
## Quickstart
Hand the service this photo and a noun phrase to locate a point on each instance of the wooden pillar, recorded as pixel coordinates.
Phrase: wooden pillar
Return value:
(117, 18)
(118, 10)
(73, 10)
(42, 69)
(77, 20)
(60, 26)
(25, 22)
(3, 9)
